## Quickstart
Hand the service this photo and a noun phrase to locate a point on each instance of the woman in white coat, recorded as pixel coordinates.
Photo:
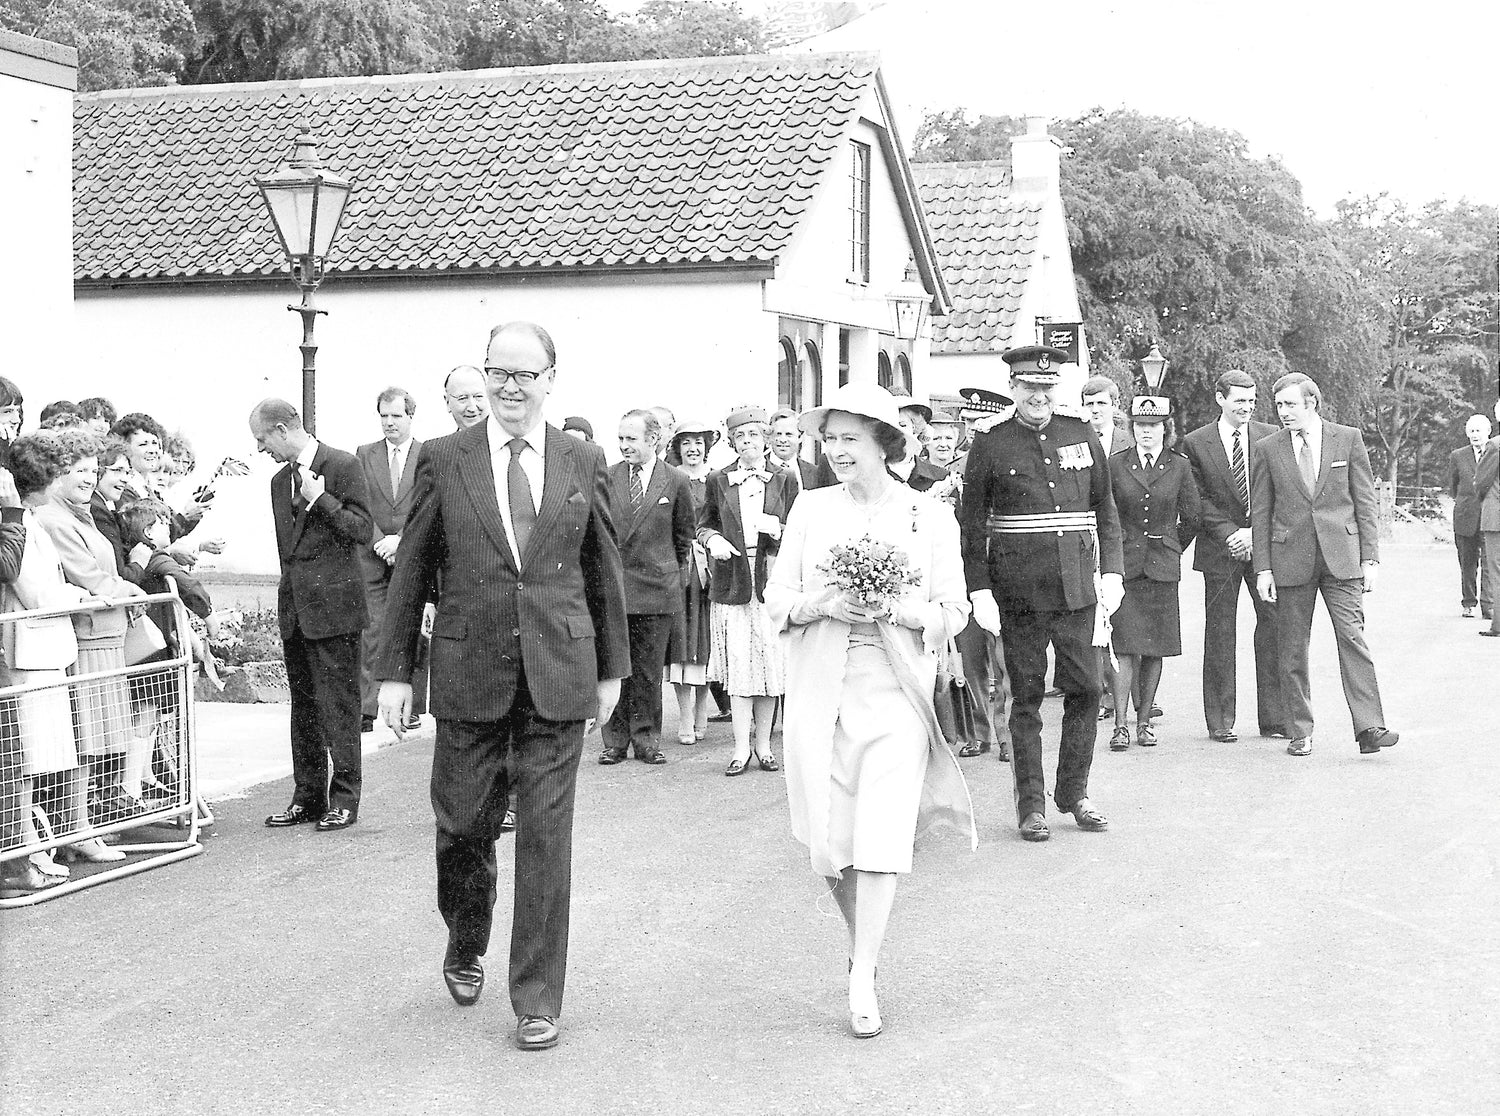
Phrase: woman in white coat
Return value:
(867, 768)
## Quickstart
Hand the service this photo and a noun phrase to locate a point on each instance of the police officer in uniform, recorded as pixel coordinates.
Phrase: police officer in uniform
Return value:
(1037, 521)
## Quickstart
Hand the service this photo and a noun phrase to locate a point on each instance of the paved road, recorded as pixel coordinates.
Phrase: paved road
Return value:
(1255, 934)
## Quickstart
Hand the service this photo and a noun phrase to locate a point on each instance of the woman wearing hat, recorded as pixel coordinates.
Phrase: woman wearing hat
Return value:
(1159, 514)
(744, 508)
(689, 642)
(867, 768)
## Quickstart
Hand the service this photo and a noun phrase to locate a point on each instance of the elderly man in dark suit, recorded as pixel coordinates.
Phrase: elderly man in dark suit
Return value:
(1219, 453)
(322, 514)
(652, 507)
(1474, 587)
(1315, 526)
(390, 467)
(530, 641)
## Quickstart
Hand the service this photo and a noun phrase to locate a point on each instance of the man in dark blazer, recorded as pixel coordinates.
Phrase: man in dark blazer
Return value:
(322, 515)
(390, 467)
(786, 452)
(1467, 537)
(652, 507)
(1101, 407)
(1315, 527)
(1220, 453)
(529, 643)
(1487, 487)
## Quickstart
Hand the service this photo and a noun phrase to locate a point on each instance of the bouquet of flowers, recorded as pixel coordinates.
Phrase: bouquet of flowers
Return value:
(871, 572)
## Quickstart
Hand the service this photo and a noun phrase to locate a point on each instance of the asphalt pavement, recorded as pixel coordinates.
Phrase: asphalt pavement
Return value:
(1256, 933)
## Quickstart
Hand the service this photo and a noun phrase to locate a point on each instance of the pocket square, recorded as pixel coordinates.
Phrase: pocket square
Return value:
(664, 500)
(577, 498)
(1336, 464)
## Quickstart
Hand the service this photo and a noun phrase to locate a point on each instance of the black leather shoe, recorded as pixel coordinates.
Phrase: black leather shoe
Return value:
(335, 819)
(973, 748)
(1034, 828)
(1302, 746)
(1371, 740)
(292, 815)
(721, 718)
(1002, 753)
(366, 724)
(465, 981)
(1089, 819)
(536, 1032)
(1224, 736)
(609, 757)
(654, 758)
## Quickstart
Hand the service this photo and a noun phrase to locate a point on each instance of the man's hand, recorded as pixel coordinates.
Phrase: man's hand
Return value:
(184, 554)
(313, 486)
(609, 697)
(395, 706)
(1111, 591)
(1239, 544)
(193, 511)
(1265, 586)
(214, 545)
(720, 548)
(986, 611)
(385, 548)
(1369, 569)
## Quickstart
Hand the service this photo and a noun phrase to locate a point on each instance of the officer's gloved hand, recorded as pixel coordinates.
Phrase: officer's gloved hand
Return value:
(1111, 591)
(986, 611)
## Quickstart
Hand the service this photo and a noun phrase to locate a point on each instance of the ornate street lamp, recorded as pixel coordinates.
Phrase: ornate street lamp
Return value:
(306, 203)
(909, 304)
(1154, 369)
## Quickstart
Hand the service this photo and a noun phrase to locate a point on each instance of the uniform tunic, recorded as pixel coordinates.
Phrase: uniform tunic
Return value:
(1043, 582)
(1159, 515)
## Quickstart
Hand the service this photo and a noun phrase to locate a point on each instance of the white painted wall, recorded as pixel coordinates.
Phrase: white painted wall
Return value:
(36, 200)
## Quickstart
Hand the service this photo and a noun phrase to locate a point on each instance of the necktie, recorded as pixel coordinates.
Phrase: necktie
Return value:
(1305, 463)
(1241, 478)
(522, 510)
(637, 493)
(1150, 462)
(395, 470)
(297, 500)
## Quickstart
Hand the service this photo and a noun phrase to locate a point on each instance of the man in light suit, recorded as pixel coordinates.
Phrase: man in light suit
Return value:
(1315, 528)
(322, 513)
(390, 467)
(1220, 456)
(529, 642)
(1487, 488)
(652, 507)
(1467, 536)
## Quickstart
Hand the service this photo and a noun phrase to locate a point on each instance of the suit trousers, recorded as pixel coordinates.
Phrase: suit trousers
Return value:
(323, 676)
(1476, 587)
(984, 669)
(637, 718)
(1221, 604)
(474, 764)
(1344, 599)
(377, 580)
(1024, 637)
(1491, 578)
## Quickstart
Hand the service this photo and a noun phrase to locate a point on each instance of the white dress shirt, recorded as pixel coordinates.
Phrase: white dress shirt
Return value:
(645, 469)
(1226, 438)
(1106, 438)
(533, 464)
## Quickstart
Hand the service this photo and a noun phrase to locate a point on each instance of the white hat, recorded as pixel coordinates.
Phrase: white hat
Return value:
(866, 400)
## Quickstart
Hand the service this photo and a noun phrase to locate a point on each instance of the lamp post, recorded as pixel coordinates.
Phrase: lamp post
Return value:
(909, 304)
(1154, 369)
(306, 202)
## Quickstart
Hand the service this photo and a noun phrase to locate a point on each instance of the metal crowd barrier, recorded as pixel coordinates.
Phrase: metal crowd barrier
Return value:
(141, 721)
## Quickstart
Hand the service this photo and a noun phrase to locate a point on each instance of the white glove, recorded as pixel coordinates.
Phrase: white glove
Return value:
(720, 548)
(986, 611)
(1111, 591)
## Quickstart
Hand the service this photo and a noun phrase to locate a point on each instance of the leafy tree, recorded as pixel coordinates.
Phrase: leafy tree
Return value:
(542, 33)
(120, 43)
(695, 29)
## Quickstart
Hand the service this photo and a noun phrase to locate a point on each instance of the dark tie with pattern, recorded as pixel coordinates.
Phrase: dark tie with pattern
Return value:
(637, 493)
(298, 503)
(1305, 463)
(1241, 478)
(522, 510)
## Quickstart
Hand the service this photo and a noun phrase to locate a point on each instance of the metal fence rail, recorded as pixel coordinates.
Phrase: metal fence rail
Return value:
(97, 753)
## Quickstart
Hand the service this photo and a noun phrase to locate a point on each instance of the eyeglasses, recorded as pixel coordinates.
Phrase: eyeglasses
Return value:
(523, 378)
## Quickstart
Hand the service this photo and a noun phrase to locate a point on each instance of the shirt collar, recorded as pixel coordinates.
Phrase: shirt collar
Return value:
(399, 447)
(309, 451)
(1227, 432)
(500, 439)
(645, 469)
(1313, 431)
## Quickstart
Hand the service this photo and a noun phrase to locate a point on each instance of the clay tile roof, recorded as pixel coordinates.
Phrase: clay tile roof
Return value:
(637, 163)
(985, 243)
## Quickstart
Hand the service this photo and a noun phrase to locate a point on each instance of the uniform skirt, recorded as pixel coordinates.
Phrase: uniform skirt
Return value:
(747, 655)
(1146, 622)
(880, 755)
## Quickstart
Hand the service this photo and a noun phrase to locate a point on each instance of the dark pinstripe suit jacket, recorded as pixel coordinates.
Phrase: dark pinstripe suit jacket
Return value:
(560, 611)
(656, 543)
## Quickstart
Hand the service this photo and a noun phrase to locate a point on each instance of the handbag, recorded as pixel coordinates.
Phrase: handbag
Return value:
(143, 639)
(953, 700)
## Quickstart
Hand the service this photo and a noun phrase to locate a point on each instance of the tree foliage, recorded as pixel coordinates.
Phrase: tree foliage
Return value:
(120, 43)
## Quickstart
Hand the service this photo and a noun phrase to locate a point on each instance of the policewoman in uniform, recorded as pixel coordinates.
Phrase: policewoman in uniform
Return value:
(1037, 520)
(1160, 513)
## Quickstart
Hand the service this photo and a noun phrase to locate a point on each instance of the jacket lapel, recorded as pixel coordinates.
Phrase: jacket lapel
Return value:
(319, 461)
(478, 476)
(729, 511)
(408, 470)
(281, 508)
(555, 485)
(1328, 452)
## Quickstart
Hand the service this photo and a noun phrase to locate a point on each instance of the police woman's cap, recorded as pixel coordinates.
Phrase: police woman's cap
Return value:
(1036, 364)
(1150, 408)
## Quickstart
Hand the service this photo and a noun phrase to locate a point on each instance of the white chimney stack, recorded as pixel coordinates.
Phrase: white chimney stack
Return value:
(1035, 161)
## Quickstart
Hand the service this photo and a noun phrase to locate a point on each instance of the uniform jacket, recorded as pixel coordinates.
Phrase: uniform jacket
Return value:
(558, 611)
(388, 509)
(1487, 486)
(656, 543)
(1223, 514)
(730, 579)
(1159, 513)
(1342, 515)
(322, 591)
(1014, 470)
(1462, 468)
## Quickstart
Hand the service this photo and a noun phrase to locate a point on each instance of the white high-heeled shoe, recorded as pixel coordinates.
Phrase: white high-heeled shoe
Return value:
(95, 851)
(44, 864)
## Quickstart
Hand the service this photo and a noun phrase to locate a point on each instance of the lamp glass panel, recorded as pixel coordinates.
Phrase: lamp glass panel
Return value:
(292, 209)
(331, 201)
